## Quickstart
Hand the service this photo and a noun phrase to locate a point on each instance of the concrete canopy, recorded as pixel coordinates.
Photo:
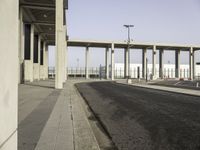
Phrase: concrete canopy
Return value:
(132, 45)
(41, 13)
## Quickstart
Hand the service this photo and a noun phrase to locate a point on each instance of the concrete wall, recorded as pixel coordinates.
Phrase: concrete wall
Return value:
(9, 73)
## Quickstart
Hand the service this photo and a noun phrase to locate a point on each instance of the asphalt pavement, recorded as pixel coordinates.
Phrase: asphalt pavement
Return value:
(138, 118)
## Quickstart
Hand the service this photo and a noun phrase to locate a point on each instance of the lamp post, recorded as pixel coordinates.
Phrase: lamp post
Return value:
(128, 46)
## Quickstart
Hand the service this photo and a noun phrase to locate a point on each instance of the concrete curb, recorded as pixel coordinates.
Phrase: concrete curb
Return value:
(84, 137)
(160, 88)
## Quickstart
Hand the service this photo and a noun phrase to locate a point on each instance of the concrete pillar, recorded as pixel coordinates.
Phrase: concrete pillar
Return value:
(46, 62)
(161, 65)
(194, 65)
(144, 63)
(129, 62)
(39, 52)
(154, 63)
(31, 53)
(64, 53)
(36, 66)
(21, 46)
(177, 63)
(87, 63)
(191, 63)
(107, 63)
(59, 43)
(126, 63)
(28, 51)
(112, 62)
(42, 67)
(9, 44)
(66, 68)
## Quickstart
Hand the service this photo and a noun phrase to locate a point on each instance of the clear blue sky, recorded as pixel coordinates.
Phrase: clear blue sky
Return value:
(165, 21)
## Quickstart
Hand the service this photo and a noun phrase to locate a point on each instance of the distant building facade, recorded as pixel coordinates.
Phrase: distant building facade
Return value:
(168, 71)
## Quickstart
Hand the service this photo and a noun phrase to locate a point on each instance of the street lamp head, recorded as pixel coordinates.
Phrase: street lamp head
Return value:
(128, 26)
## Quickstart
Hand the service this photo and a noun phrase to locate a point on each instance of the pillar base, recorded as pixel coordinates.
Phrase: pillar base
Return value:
(42, 72)
(28, 70)
(36, 71)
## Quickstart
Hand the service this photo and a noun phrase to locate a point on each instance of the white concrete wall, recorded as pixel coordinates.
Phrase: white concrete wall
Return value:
(36, 71)
(168, 71)
(9, 73)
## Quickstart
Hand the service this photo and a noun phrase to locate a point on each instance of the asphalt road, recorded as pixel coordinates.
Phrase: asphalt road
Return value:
(145, 119)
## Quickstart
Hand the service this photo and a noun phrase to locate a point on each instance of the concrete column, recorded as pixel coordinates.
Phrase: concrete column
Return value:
(126, 63)
(31, 52)
(177, 63)
(154, 63)
(194, 65)
(161, 65)
(129, 62)
(66, 68)
(112, 62)
(39, 52)
(191, 63)
(9, 44)
(87, 63)
(46, 63)
(36, 66)
(21, 46)
(43, 69)
(144, 63)
(59, 43)
(64, 53)
(28, 62)
(107, 63)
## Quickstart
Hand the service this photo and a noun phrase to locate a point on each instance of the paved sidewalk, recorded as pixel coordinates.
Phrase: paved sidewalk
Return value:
(165, 88)
(51, 119)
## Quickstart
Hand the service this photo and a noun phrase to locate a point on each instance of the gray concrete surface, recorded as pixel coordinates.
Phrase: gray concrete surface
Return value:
(51, 119)
(174, 89)
(139, 118)
(179, 84)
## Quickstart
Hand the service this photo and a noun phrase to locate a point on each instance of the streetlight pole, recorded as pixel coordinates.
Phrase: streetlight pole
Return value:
(128, 46)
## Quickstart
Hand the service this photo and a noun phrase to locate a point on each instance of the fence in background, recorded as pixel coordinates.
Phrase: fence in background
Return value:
(99, 72)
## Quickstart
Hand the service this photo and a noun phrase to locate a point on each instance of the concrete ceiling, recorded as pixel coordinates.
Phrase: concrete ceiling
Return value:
(42, 14)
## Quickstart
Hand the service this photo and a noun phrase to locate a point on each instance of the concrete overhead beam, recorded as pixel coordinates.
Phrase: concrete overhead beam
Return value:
(134, 45)
(44, 23)
(37, 4)
(39, 7)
